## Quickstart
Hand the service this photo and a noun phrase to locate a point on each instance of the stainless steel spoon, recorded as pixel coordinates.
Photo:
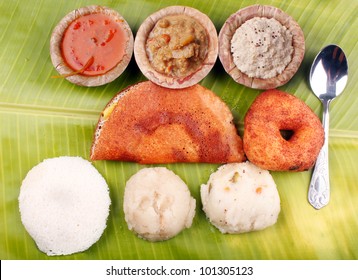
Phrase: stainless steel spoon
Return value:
(328, 78)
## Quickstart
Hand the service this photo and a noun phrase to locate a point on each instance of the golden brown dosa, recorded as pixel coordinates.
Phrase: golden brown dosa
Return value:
(147, 123)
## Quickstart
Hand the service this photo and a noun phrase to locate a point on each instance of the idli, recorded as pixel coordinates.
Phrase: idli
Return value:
(157, 204)
(240, 197)
(64, 205)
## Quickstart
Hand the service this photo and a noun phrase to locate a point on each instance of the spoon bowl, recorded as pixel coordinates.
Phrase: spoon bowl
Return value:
(328, 78)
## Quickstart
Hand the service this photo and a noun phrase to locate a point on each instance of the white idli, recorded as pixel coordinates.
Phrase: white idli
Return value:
(157, 204)
(64, 205)
(240, 197)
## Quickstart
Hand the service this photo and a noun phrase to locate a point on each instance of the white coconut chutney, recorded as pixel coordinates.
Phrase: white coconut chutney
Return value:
(262, 47)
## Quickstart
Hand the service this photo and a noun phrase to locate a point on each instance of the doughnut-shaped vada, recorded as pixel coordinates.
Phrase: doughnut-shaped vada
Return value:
(282, 133)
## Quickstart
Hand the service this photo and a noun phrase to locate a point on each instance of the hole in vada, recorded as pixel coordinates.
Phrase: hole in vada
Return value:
(286, 134)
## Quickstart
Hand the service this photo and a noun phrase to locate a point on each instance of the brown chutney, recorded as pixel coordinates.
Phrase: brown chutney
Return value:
(177, 45)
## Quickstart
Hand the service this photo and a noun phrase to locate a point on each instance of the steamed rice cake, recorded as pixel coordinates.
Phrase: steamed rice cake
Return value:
(157, 204)
(240, 197)
(64, 205)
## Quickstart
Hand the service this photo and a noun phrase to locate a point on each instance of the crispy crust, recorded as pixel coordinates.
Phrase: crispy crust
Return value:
(148, 124)
(164, 80)
(61, 66)
(235, 21)
(274, 111)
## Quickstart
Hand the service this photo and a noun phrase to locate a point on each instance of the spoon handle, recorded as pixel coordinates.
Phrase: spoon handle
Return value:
(319, 190)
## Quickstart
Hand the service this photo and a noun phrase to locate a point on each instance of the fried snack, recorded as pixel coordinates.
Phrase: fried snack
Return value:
(282, 133)
(147, 123)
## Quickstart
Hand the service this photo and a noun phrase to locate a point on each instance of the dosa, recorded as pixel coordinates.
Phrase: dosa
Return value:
(149, 124)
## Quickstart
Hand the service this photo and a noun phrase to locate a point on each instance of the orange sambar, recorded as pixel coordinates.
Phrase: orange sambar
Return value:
(95, 40)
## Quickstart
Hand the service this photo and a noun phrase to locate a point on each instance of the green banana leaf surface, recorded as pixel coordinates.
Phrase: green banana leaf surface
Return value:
(42, 117)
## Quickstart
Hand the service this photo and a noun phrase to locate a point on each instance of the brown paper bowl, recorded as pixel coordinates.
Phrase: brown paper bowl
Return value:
(60, 64)
(144, 64)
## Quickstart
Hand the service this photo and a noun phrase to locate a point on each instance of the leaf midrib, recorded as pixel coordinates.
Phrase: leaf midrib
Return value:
(26, 109)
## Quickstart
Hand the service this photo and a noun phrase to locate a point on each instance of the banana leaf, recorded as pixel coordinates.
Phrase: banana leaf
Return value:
(42, 117)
